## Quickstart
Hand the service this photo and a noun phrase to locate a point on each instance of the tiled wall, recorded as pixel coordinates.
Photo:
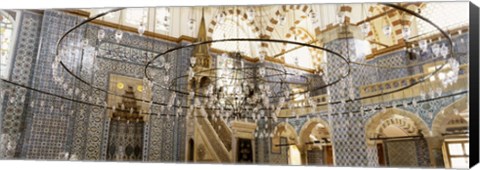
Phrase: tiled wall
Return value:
(348, 130)
(83, 130)
(47, 108)
(348, 133)
(315, 157)
(422, 153)
(165, 141)
(402, 154)
(426, 110)
(282, 157)
(24, 58)
(407, 153)
(52, 125)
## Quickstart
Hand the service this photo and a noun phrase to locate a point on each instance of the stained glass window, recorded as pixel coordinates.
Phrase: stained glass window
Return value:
(6, 34)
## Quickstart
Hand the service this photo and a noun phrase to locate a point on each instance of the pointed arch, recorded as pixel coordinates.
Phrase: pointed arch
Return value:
(438, 124)
(374, 121)
(274, 24)
(302, 35)
(308, 126)
(236, 25)
(286, 130)
(405, 125)
(283, 11)
(239, 12)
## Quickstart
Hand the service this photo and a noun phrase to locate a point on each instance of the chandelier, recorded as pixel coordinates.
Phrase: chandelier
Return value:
(241, 89)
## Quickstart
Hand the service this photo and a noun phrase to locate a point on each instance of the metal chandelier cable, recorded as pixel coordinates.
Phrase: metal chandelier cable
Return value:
(361, 98)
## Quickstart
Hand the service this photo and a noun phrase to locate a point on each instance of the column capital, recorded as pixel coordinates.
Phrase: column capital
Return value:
(434, 141)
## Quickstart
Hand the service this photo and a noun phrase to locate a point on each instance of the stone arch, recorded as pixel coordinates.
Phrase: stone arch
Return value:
(283, 129)
(10, 17)
(401, 20)
(236, 25)
(306, 37)
(239, 12)
(374, 121)
(374, 32)
(444, 115)
(371, 35)
(284, 10)
(301, 33)
(305, 10)
(406, 126)
(394, 18)
(203, 83)
(308, 126)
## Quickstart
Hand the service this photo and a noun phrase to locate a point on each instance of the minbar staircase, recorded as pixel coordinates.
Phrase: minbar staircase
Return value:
(222, 130)
(217, 135)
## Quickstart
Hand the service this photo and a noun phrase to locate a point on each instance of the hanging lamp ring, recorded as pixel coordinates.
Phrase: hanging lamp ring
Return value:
(421, 80)
(343, 75)
(444, 34)
(347, 61)
(69, 71)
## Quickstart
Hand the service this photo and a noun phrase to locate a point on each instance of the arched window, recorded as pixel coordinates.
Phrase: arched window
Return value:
(6, 43)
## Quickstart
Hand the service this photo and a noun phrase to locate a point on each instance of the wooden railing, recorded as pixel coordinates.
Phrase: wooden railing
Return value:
(414, 91)
(222, 130)
(302, 107)
(213, 140)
